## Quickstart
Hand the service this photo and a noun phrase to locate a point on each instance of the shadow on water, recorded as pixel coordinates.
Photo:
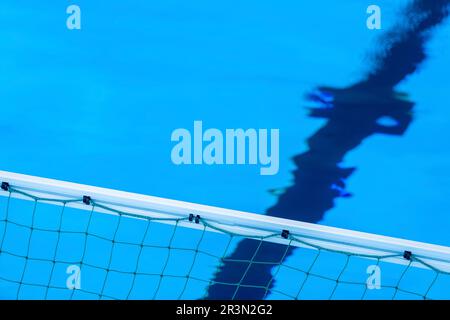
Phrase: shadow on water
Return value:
(354, 114)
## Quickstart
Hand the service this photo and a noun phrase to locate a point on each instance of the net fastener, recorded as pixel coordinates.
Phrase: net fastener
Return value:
(285, 234)
(87, 200)
(407, 255)
(5, 186)
(196, 218)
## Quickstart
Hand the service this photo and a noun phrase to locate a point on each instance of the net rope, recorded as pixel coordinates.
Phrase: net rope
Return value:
(127, 256)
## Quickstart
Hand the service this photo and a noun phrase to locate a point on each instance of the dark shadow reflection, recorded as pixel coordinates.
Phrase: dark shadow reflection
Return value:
(354, 114)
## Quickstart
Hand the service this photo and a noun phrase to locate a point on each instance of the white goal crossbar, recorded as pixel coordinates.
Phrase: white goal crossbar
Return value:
(233, 221)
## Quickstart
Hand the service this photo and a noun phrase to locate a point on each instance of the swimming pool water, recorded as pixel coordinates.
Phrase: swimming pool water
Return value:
(97, 106)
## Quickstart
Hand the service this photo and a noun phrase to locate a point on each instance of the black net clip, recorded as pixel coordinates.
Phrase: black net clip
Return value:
(5, 186)
(407, 255)
(196, 218)
(87, 200)
(285, 234)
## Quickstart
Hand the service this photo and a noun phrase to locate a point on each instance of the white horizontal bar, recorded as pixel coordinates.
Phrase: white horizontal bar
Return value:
(232, 220)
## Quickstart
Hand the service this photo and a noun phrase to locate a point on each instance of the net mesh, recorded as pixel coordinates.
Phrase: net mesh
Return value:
(50, 249)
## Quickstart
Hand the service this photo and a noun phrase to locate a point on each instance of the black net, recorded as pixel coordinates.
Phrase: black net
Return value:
(54, 249)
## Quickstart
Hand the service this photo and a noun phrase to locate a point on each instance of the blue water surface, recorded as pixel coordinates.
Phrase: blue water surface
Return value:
(98, 105)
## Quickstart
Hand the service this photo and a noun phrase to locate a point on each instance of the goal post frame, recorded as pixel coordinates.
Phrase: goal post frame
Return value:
(234, 221)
